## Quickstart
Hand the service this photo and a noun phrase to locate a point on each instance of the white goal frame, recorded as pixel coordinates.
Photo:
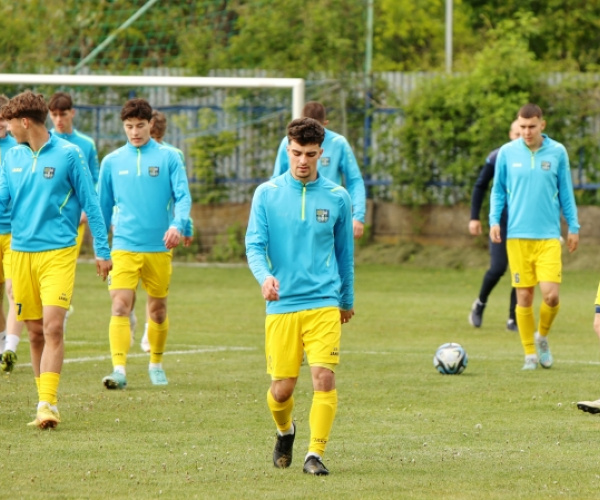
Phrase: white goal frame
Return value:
(295, 84)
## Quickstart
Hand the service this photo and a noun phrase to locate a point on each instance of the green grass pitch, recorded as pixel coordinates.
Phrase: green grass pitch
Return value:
(402, 430)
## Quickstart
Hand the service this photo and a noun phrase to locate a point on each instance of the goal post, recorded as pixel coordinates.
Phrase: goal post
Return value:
(295, 84)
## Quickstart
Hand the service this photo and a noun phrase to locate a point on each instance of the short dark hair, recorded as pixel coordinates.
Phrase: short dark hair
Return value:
(60, 101)
(306, 131)
(26, 105)
(159, 126)
(530, 111)
(136, 108)
(314, 109)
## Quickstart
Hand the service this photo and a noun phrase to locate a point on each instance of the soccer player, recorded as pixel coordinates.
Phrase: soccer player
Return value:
(11, 328)
(157, 132)
(62, 114)
(533, 178)
(48, 182)
(336, 161)
(300, 249)
(498, 257)
(143, 187)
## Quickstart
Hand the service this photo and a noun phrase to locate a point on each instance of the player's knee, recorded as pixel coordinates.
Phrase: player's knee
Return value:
(323, 379)
(551, 298)
(158, 316)
(120, 308)
(282, 390)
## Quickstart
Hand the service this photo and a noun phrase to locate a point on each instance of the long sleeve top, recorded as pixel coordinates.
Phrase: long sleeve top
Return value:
(302, 235)
(48, 189)
(6, 142)
(143, 192)
(536, 186)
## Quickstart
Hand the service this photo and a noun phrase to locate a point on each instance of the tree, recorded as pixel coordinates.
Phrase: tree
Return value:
(452, 123)
(288, 37)
(565, 34)
(410, 36)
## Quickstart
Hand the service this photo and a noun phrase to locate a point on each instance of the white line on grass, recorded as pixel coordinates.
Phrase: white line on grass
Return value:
(87, 359)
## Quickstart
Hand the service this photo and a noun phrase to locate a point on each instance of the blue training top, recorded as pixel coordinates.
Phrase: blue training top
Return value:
(144, 191)
(6, 142)
(302, 235)
(48, 189)
(536, 186)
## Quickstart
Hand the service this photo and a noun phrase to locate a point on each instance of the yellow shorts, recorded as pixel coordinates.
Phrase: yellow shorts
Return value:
(153, 268)
(5, 251)
(42, 279)
(316, 331)
(532, 261)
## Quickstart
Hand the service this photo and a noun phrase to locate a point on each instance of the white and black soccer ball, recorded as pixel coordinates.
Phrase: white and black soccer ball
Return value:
(450, 359)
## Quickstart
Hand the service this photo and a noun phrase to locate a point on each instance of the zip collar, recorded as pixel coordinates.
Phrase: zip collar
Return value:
(545, 142)
(148, 145)
(292, 181)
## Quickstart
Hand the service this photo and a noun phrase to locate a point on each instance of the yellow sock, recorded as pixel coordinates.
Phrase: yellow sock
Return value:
(547, 315)
(37, 384)
(526, 324)
(119, 336)
(49, 387)
(322, 413)
(282, 412)
(157, 336)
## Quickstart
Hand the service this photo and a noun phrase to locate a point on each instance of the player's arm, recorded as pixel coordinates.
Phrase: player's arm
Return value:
(344, 250)
(4, 189)
(355, 183)
(477, 196)
(282, 161)
(106, 194)
(188, 233)
(180, 192)
(94, 164)
(88, 199)
(257, 238)
(567, 202)
(498, 196)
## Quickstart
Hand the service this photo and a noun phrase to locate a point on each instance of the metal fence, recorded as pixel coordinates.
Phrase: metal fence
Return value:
(258, 119)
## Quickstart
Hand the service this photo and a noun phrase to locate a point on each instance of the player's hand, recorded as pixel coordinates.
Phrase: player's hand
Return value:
(475, 227)
(572, 242)
(187, 240)
(172, 237)
(358, 228)
(103, 267)
(495, 234)
(345, 315)
(270, 289)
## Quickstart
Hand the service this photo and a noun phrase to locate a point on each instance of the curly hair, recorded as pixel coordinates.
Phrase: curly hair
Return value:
(306, 131)
(26, 105)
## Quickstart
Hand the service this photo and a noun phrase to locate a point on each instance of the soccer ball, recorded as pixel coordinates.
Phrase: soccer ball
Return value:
(450, 359)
